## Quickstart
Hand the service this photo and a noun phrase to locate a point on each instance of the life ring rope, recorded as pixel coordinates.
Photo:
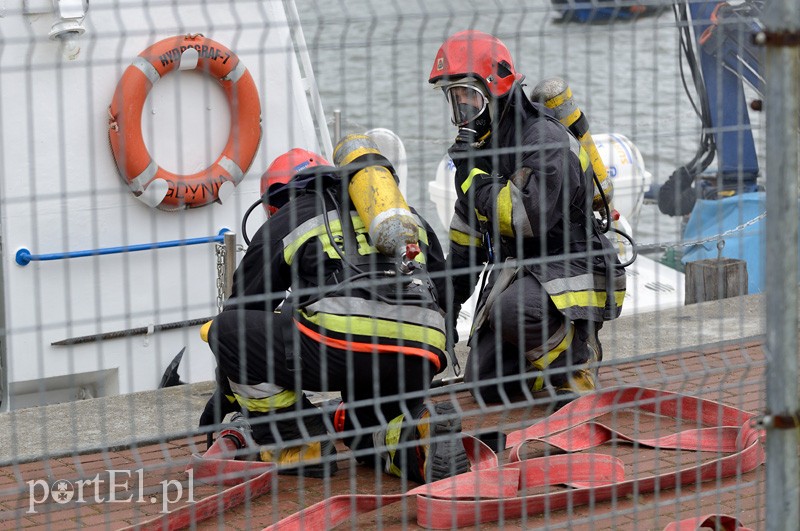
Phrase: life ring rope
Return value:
(148, 181)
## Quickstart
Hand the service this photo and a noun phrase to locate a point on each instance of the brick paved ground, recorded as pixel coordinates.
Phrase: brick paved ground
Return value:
(730, 373)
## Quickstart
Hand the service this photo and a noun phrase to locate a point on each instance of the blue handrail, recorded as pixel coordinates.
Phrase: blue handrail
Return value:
(24, 256)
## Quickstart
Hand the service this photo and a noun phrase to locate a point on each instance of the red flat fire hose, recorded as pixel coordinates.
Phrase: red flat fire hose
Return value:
(245, 479)
(720, 522)
(491, 491)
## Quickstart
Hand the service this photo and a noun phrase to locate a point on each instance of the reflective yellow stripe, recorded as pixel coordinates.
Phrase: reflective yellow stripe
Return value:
(585, 299)
(327, 247)
(468, 182)
(463, 239)
(352, 305)
(480, 216)
(392, 442)
(317, 232)
(230, 398)
(293, 455)
(283, 399)
(545, 361)
(504, 211)
(320, 232)
(364, 248)
(371, 327)
(619, 297)
(422, 236)
(584, 158)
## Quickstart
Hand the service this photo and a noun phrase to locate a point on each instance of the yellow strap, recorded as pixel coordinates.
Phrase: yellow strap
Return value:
(584, 158)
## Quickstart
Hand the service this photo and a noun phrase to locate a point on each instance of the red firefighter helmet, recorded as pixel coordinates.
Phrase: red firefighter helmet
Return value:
(286, 166)
(473, 53)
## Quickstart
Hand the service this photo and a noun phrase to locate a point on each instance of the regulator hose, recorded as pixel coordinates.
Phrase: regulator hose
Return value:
(247, 215)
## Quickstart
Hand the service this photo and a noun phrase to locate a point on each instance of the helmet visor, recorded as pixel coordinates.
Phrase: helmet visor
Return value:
(467, 102)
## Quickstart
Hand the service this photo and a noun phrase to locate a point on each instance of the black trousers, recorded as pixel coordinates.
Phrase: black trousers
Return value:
(522, 318)
(256, 347)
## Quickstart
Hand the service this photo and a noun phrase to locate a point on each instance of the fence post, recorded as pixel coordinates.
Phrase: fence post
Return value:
(230, 263)
(780, 37)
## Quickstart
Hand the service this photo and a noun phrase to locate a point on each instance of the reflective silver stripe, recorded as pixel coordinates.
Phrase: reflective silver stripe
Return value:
(574, 145)
(262, 390)
(232, 168)
(237, 72)
(356, 306)
(582, 283)
(139, 182)
(519, 217)
(147, 69)
(307, 227)
(314, 227)
(457, 224)
(552, 342)
(383, 216)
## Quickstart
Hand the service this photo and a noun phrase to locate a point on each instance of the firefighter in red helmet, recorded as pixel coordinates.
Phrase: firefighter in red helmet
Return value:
(286, 166)
(523, 202)
(346, 325)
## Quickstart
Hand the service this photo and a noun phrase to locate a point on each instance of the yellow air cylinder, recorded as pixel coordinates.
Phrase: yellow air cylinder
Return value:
(556, 94)
(378, 200)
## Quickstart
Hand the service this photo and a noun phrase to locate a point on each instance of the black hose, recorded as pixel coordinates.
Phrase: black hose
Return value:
(335, 245)
(603, 226)
(633, 246)
(247, 215)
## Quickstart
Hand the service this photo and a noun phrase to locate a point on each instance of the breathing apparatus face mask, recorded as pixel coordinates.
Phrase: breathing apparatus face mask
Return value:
(469, 107)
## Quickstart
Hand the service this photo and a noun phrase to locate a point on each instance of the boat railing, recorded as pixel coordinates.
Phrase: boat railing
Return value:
(24, 256)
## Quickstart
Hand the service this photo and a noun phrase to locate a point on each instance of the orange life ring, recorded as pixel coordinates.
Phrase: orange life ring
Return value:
(151, 183)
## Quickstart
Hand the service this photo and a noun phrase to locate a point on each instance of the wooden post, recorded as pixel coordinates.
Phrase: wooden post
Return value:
(713, 279)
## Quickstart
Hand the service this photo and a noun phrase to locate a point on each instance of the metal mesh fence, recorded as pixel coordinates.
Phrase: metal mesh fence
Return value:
(300, 264)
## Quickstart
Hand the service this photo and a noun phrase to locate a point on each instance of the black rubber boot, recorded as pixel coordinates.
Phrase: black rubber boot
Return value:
(285, 442)
(439, 453)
